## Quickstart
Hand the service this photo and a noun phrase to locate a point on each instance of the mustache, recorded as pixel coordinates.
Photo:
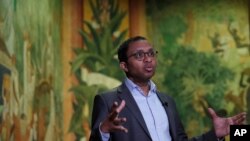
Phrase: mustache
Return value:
(149, 65)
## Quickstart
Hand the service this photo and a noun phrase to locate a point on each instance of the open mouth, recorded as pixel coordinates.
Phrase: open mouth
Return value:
(149, 68)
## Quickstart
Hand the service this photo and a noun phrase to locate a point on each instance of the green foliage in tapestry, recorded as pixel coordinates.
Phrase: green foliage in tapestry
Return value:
(197, 81)
(101, 38)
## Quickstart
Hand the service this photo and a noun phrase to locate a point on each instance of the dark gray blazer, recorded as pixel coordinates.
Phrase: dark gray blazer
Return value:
(137, 129)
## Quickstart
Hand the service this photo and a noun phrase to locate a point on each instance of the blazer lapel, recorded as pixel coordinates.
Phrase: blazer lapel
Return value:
(171, 118)
(125, 94)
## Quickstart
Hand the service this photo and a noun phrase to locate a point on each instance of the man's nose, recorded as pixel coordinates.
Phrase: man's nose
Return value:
(147, 57)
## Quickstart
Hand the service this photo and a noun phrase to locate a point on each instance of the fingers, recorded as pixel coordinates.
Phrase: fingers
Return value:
(122, 105)
(114, 106)
(107, 127)
(239, 119)
(113, 115)
(117, 124)
(212, 113)
(113, 122)
(121, 128)
(119, 121)
(116, 109)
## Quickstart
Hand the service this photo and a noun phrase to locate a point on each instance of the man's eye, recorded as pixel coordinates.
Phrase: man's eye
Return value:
(139, 54)
(151, 54)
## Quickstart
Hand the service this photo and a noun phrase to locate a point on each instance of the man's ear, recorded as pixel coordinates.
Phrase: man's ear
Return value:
(123, 66)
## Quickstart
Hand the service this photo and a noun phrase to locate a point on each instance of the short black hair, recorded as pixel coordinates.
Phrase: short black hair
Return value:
(123, 48)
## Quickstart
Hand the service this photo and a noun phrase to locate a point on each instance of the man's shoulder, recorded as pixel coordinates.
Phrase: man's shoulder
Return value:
(165, 95)
(110, 95)
(162, 93)
(110, 91)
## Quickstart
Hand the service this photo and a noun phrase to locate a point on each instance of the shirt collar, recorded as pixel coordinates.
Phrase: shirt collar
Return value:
(131, 85)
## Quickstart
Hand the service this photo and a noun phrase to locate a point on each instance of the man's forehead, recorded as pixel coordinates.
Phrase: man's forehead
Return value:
(142, 44)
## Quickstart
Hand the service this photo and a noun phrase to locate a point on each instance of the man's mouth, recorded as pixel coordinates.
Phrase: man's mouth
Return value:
(149, 68)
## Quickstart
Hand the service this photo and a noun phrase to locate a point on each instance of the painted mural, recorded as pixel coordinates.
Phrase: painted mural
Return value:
(30, 102)
(96, 65)
(204, 61)
(204, 56)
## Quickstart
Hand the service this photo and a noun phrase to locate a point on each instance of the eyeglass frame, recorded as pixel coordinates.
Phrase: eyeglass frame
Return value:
(155, 52)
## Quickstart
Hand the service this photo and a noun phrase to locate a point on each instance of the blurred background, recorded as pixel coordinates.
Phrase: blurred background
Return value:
(56, 55)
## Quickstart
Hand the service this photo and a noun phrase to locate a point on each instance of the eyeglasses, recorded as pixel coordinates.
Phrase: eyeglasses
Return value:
(140, 55)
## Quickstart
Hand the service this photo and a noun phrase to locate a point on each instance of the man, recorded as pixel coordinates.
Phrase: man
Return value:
(136, 111)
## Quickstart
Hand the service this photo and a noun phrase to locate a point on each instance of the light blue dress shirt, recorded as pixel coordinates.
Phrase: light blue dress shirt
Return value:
(152, 111)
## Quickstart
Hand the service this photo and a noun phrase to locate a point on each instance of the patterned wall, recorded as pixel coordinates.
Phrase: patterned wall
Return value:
(31, 103)
(52, 52)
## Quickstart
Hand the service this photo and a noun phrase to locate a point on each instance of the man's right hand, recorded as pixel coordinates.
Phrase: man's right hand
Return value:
(113, 122)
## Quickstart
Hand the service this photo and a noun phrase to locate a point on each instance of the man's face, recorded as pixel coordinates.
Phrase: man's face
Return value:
(141, 63)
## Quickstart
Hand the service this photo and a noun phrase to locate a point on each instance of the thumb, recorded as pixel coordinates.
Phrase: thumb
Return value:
(212, 113)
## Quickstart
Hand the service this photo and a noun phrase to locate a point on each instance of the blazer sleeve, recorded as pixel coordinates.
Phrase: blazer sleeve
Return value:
(209, 136)
(99, 113)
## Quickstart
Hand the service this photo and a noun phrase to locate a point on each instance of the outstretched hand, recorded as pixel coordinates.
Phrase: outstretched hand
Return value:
(222, 125)
(113, 122)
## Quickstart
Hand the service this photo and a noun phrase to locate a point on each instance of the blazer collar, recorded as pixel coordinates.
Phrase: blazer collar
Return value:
(125, 94)
(170, 114)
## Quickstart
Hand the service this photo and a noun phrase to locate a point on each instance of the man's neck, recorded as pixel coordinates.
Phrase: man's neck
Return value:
(144, 85)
